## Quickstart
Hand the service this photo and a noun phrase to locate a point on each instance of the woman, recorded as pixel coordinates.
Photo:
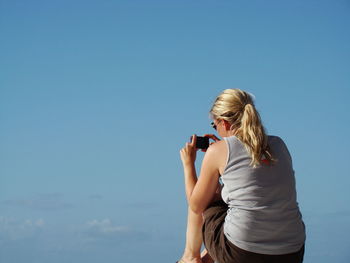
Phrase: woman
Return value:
(258, 218)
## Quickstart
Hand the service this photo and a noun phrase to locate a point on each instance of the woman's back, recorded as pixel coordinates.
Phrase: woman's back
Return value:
(263, 215)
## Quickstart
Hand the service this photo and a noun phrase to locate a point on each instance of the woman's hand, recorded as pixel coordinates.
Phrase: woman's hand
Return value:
(213, 137)
(189, 152)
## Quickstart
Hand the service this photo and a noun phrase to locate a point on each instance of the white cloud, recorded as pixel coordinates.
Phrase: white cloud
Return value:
(105, 226)
(49, 201)
(39, 222)
(105, 232)
(97, 229)
(11, 229)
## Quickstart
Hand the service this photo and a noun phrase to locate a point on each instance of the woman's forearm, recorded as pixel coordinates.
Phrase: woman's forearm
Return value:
(190, 180)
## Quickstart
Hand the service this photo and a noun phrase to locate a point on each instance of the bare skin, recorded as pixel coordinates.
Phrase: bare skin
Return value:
(194, 237)
(200, 192)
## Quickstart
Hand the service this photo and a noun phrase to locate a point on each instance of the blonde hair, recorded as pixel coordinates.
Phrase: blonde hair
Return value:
(237, 108)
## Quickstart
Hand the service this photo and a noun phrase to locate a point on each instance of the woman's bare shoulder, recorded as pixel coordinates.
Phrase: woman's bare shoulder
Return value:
(218, 146)
(218, 153)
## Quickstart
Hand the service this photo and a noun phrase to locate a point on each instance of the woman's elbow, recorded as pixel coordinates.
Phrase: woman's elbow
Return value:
(196, 208)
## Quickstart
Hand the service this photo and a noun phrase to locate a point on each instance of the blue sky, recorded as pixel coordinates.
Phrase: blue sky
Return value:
(98, 97)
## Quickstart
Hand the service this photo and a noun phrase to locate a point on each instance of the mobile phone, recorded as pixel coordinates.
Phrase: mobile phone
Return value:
(202, 142)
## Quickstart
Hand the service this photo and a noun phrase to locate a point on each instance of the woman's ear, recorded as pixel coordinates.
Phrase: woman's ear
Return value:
(227, 125)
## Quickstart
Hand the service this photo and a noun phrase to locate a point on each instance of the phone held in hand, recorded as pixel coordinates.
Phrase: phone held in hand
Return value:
(202, 142)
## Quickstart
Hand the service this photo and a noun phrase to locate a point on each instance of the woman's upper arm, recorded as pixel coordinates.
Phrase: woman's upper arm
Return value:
(208, 180)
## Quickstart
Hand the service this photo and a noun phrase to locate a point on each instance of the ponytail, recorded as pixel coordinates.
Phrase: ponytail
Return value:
(252, 134)
(237, 107)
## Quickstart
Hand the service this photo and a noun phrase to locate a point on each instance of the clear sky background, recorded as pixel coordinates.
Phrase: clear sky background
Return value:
(98, 97)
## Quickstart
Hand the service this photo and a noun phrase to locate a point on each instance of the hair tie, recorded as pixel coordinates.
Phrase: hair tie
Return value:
(245, 106)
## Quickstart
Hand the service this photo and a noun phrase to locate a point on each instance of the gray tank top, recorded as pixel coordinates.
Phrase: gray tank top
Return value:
(263, 215)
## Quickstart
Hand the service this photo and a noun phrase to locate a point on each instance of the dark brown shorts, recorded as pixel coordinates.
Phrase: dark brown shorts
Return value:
(223, 251)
